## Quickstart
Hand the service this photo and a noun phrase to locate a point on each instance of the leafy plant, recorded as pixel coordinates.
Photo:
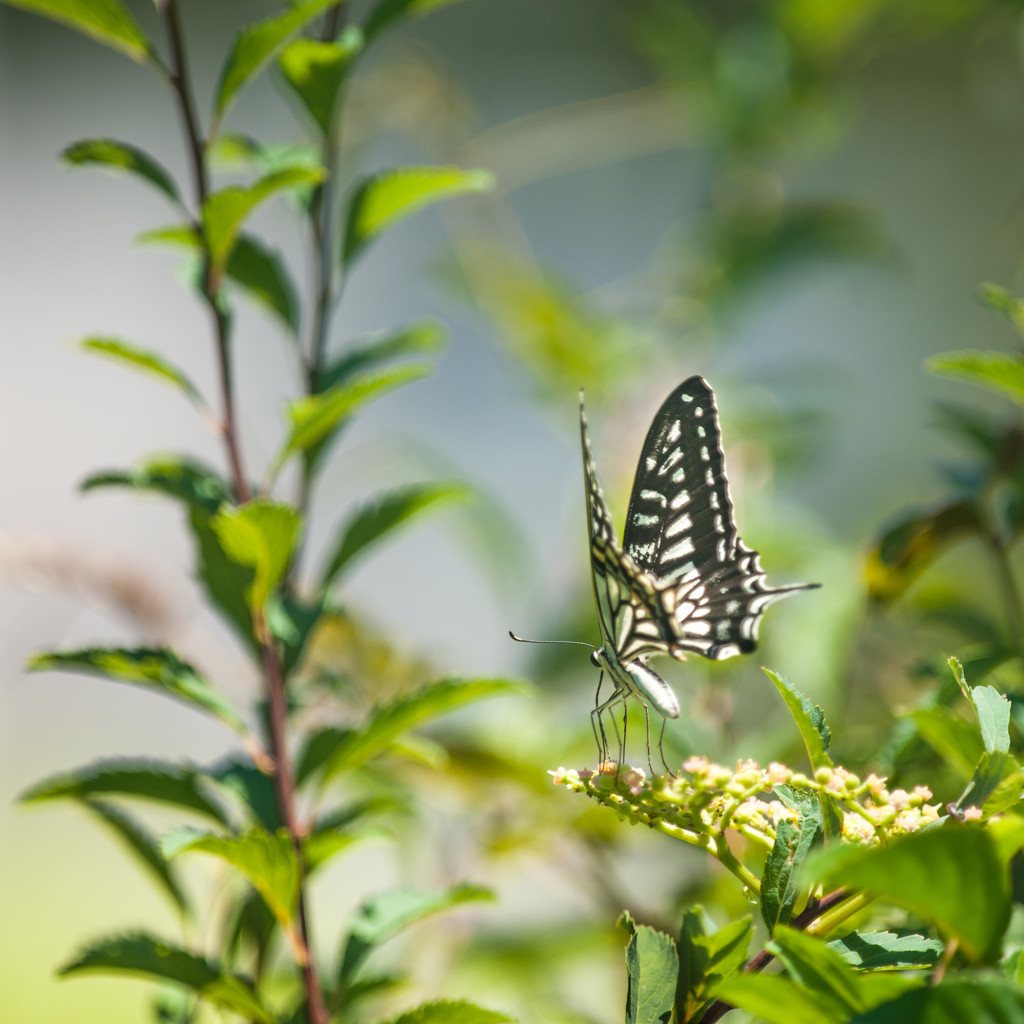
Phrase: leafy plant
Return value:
(272, 817)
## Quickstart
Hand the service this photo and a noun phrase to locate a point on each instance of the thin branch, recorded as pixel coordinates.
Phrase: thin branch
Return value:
(334, 22)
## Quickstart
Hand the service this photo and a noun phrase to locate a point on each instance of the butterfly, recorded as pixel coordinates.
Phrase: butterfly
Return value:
(682, 581)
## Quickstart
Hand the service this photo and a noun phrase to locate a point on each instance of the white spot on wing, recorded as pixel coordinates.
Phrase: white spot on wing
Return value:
(698, 411)
(701, 432)
(684, 522)
(679, 475)
(674, 432)
(641, 520)
(653, 496)
(684, 547)
(651, 463)
(704, 454)
(681, 499)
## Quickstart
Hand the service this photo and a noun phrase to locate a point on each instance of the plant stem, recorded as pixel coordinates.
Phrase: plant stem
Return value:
(943, 964)
(283, 777)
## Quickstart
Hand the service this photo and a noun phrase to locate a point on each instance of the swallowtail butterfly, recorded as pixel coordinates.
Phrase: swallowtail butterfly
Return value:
(682, 581)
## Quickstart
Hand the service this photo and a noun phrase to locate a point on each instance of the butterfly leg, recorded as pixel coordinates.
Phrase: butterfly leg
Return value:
(599, 711)
(647, 716)
(602, 741)
(625, 726)
(661, 748)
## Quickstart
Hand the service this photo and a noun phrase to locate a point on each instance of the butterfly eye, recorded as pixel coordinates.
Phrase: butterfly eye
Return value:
(594, 659)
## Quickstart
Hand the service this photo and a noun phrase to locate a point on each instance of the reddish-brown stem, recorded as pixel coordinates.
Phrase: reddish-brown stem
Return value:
(283, 777)
(814, 909)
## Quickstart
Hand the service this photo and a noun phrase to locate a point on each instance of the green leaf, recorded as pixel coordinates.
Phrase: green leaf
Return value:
(952, 877)
(958, 1000)
(190, 482)
(1004, 302)
(780, 879)
(652, 964)
(141, 953)
(1001, 372)
(383, 916)
(256, 790)
(778, 1000)
(262, 274)
(381, 516)
(315, 70)
(388, 721)
(451, 1013)
(886, 951)
(706, 961)
(145, 360)
(266, 859)
(226, 210)
(315, 418)
(227, 583)
(148, 780)
(156, 668)
(993, 770)
(386, 198)
(262, 535)
(254, 47)
(139, 840)
(958, 741)
(107, 21)
(809, 718)
(993, 716)
(324, 845)
(387, 12)
(111, 153)
(425, 337)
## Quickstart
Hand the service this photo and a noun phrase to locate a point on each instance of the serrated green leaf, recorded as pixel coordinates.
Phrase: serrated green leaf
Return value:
(387, 12)
(886, 951)
(316, 418)
(382, 917)
(107, 21)
(389, 721)
(652, 966)
(952, 877)
(255, 45)
(386, 198)
(145, 360)
(147, 780)
(958, 1000)
(809, 718)
(958, 741)
(315, 71)
(156, 668)
(780, 880)
(143, 844)
(266, 859)
(120, 155)
(447, 1012)
(1001, 372)
(706, 961)
(262, 535)
(141, 953)
(226, 210)
(993, 717)
(381, 516)
(425, 337)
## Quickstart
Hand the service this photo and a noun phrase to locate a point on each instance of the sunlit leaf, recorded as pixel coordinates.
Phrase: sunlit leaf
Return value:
(261, 534)
(226, 210)
(993, 717)
(425, 337)
(315, 70)
(107, 21)
(707, 961)
(809, 718)
(794, 840)
(143, 844)
(122, 156)
(952, 877)
(388, 197)
(778, 1000)
(266, 859)
(155, 668)
(977, 1000)
(147, 780)
(994, 769)
(147, 361)
(256, 44)
(652, 967)
(387, 12)
(1001, 372)
(382, 917)
(146, 955)
(886, 951)
(388, 721)
(451, 1013)
(381, 516)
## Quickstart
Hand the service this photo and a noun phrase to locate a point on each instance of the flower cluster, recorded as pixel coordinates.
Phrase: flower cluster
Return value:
(713, 798)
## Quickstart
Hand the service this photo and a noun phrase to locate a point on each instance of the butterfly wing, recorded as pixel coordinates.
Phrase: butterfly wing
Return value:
(627, 599)
(681, 532)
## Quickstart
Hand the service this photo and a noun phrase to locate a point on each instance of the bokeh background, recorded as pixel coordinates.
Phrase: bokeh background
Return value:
(797, 200)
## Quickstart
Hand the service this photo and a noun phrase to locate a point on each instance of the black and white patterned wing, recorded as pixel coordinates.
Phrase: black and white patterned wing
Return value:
(681, 532)
(633, 622)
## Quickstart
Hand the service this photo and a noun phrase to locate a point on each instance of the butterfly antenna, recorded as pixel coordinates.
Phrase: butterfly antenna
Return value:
(520, 640)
